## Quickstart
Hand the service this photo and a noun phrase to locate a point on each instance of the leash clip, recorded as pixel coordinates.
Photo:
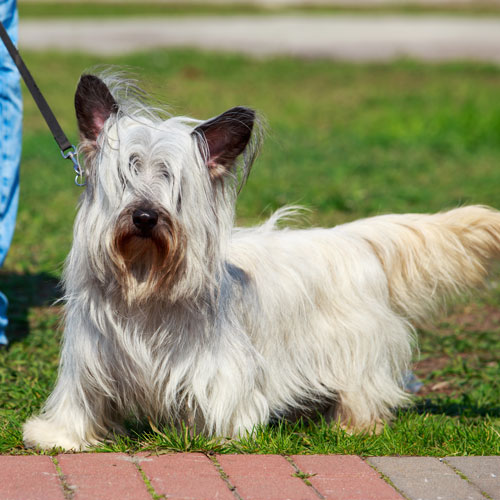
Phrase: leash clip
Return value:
(73, 156)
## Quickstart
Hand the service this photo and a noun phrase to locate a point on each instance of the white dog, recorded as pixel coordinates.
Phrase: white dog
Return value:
(173, 314)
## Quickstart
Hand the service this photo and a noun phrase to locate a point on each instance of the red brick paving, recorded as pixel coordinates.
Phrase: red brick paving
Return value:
(102, 476)
(29, 478)
(114, 476)
(264, 477)
(345, 478)
(184, 476)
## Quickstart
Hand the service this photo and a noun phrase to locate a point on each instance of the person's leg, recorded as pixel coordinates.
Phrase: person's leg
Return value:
(3, 319)
(10, 144)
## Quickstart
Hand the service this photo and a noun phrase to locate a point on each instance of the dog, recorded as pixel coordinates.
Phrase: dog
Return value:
(174, 315)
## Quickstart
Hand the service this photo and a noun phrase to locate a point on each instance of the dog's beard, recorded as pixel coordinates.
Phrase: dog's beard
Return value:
(146, 265)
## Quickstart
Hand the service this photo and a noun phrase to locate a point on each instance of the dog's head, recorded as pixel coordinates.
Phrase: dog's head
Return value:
(159, 199)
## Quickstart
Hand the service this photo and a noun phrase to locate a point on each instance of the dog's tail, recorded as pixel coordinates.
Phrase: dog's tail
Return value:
(428, 258)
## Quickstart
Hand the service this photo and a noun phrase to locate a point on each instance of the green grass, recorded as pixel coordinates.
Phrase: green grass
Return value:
(46, 9)
(345, 140)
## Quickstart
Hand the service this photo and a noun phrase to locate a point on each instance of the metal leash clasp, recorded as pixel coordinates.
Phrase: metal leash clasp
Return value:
(73, 156)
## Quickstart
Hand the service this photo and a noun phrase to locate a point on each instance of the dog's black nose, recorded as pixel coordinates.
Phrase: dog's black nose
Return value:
(145, 220)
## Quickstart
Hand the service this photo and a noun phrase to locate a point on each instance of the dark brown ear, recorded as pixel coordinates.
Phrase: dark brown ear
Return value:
(93, 105)
(224, 138)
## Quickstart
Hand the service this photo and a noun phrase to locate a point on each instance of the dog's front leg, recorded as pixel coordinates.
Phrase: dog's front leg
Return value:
(231, 401)
(63, 423)
(80, 411)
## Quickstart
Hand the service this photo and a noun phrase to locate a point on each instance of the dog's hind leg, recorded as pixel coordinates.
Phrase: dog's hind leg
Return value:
(425, 259)
(359, 411)
(366, 406)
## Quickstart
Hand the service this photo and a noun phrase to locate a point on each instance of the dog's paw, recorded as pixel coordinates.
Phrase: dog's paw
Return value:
(375, 428)
(45, 435)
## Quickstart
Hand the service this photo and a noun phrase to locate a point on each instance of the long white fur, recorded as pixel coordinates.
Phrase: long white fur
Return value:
(263, 323)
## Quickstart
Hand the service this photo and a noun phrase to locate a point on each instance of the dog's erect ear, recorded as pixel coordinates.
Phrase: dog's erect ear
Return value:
(224, 138)
(93, 105)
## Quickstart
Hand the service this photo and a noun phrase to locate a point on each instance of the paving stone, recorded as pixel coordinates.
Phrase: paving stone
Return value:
(29, 478)
(103, 476)
(482, 471)
(425, 478)
(184, 476)
(345, 477)
(266, 477)
(194, 476)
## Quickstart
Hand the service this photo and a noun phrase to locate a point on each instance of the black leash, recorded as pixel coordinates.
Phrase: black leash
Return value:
(68, 150)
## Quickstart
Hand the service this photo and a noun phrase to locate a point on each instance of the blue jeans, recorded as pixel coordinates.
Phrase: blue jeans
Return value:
(10, 143)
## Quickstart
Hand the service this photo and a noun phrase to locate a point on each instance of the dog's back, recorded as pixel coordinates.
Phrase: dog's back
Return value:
(426, 258)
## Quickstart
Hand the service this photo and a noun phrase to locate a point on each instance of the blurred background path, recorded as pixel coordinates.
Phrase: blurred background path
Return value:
(359, 36)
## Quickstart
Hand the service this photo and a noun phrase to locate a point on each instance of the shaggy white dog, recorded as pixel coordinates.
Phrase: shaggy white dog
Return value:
(173, 314)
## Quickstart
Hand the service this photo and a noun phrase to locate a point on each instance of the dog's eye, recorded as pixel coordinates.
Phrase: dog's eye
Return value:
(134, 163)
(165, 171)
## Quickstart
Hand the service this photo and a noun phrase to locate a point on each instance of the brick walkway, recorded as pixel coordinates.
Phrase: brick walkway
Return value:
(114, 476)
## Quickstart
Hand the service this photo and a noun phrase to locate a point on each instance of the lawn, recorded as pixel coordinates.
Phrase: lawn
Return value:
(106, 8)
(345, 140)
